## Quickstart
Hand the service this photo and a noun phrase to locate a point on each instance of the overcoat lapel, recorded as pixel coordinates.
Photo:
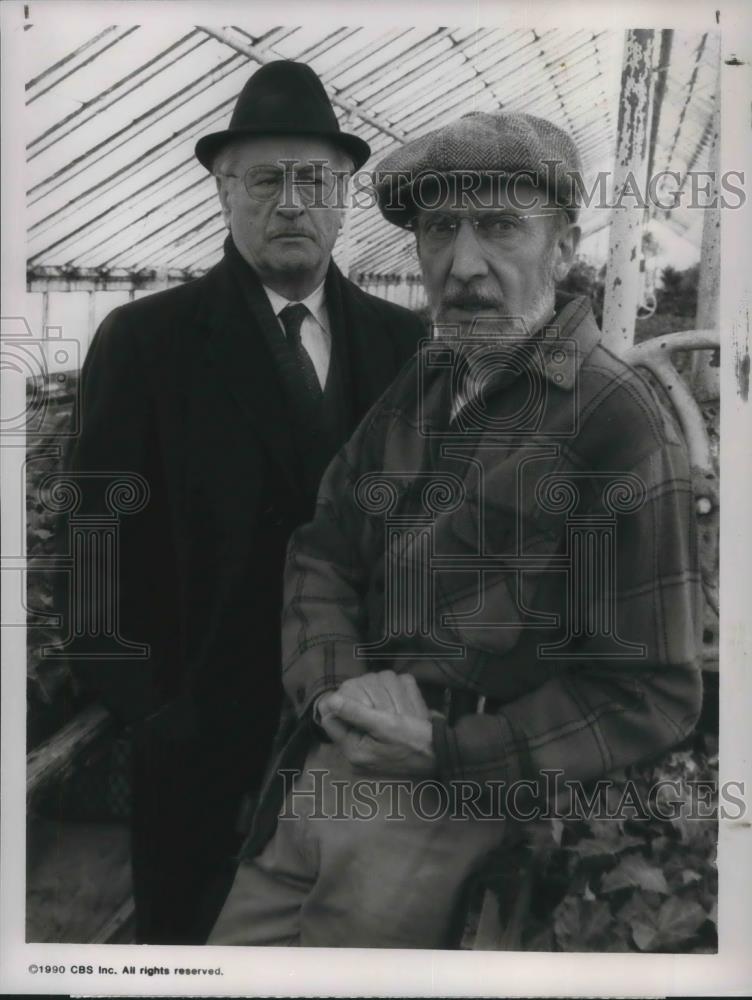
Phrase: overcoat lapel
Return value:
(237, 349)
(246, 346)
(369, 351)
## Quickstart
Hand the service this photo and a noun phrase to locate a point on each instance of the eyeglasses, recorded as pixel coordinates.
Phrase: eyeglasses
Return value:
(491, 228)
(313, 184)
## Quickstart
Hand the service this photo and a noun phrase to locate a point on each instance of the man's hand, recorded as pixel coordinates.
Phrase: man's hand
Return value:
(395, 693)
(392, 735)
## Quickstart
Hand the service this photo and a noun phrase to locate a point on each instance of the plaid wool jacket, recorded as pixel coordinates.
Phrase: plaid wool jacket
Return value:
(538, 548)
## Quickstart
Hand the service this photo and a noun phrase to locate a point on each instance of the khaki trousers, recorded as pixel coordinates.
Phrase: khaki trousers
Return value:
(356, 866)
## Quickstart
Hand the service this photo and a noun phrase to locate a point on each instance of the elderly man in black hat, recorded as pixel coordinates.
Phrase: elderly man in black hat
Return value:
(228, 395)
(499, 590)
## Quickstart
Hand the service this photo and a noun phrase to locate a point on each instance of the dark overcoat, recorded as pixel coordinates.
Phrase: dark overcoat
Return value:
(192, 389)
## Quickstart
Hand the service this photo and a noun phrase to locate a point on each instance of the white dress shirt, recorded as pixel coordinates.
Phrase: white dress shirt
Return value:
(315, 332)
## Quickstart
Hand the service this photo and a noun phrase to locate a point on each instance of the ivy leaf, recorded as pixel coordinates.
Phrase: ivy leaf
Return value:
(689, 876)
(602, 829)
(644, 933)
(580, 925)
(696, 833)
(590, 847)
(678, 921)
(669, 927)
(660, 846)
(633, 871)
(641, 920)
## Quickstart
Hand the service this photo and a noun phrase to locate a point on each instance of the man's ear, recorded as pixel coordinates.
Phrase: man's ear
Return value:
(222, 191)
(567, 241)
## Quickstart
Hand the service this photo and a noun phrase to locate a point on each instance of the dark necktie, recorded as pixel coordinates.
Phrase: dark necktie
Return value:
(292, 317)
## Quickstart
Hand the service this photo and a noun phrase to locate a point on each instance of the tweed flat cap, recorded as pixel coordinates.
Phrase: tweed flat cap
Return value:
(500, 143)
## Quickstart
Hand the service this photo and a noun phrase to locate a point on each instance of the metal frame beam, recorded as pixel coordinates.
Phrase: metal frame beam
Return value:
(258, 55)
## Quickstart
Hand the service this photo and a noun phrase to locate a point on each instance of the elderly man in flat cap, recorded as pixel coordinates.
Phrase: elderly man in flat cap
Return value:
(228, 395)
(500, 583)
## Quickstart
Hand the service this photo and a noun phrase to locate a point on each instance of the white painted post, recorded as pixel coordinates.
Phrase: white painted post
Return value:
(705, 376)
(623, 278)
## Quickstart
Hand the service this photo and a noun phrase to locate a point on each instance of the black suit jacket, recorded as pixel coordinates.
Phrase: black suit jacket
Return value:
(182, 388)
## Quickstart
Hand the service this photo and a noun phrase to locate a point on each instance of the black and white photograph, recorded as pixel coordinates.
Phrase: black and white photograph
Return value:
(375, 447)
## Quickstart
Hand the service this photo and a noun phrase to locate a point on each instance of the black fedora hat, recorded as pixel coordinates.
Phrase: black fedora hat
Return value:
(283, 98)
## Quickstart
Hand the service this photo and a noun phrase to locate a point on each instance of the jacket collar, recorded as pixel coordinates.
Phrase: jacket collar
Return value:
(233, 308)
(560, 349)
(240, 325)
(360, 338)
(557, 350)
(568, 340)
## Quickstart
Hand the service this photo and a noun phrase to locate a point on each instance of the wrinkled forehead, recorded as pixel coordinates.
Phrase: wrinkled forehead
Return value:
(479, 191)
(281, 150)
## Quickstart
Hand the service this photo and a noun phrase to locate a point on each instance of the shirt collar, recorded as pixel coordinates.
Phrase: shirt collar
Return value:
(315, 302)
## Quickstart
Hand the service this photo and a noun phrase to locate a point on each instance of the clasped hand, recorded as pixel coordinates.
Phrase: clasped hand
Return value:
(381, 724)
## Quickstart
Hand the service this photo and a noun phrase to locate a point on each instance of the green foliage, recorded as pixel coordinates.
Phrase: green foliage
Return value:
(678, 294)
(676, 300)
(632, 884)
(584, 279)
(51, 697)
